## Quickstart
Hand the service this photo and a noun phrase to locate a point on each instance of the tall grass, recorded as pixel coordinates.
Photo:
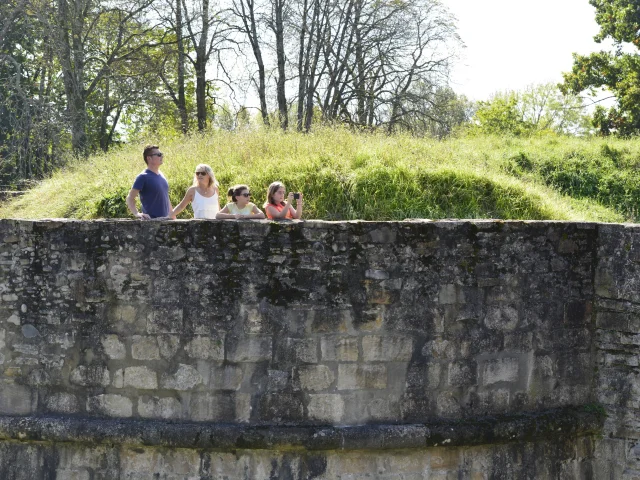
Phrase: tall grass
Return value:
(346, 175)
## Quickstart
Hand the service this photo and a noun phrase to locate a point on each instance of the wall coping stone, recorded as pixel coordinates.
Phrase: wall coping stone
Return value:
(567, 422)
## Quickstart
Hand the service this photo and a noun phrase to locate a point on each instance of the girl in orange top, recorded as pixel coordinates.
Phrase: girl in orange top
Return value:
(277, 208)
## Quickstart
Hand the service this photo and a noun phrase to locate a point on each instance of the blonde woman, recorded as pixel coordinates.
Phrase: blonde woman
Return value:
(203, 194)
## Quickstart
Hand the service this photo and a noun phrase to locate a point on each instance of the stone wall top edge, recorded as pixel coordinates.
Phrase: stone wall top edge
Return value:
(312, 223)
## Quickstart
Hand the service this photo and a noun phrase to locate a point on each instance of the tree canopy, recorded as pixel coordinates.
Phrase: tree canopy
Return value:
(617, 70)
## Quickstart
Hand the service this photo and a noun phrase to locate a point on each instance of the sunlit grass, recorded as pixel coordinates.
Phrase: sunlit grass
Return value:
(345, 175)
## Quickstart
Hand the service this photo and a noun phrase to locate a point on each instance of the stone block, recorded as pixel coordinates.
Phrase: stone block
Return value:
(168, 345)
(353, 376)
(15, 399)
(206, 348)
(278, 380)
(251, 348)
(338, 348)
(450, 294)
(254, 321)
(327, 407)
(503, 318)
(90, 376)
(141, 378)
(145, 347)
(434, 374)
(448, 404)
(220, 407)
(127, 319)
(159, 407)
(227, 377)
(297, 350)
(165, 320)
(72, 475)
(281, 407)
(133, 460)
(381, 409)
(376, 274)
(2, 345)
(501, 370)
(62, 402)
(440, 349)
(243, 407)
(387, 348)
(315, 377)
(186, 377)
(111, 405)
(462, 374)
(577, 313)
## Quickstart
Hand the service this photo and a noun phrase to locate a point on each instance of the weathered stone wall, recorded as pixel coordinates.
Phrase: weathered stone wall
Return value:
(618, 346)
(453, 330)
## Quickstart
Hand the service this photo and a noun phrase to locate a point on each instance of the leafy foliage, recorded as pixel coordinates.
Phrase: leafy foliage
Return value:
(618, 71)
(538, 108)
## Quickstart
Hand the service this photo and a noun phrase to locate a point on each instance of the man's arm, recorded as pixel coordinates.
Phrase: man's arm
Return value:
(131, 205)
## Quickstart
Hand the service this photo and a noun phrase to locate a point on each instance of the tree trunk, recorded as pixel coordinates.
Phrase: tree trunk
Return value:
(201, 68)
(106, 109)
(182, 102)
(72, 63)
(248, 17)
(303, 67)
(281, 57)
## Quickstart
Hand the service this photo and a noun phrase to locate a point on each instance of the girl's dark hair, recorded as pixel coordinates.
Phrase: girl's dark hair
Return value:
(235, 191)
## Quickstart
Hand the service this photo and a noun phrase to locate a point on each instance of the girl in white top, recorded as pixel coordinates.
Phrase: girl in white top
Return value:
(203, 195)
(240, 206)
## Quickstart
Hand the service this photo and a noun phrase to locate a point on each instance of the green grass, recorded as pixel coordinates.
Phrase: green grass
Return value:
(345, 175)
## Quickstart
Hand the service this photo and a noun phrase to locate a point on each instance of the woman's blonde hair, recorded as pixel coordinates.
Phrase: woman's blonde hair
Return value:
(209, 170)
(273, 188)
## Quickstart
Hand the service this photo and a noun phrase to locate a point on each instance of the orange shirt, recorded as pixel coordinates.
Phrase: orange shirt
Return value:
(279, 208)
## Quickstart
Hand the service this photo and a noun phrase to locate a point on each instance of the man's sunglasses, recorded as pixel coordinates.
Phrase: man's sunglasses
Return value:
(159, 154)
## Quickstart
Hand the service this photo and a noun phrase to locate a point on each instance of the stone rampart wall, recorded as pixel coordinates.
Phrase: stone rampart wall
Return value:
(315, 324)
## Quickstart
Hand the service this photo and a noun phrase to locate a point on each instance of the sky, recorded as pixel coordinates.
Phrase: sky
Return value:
(511, 44)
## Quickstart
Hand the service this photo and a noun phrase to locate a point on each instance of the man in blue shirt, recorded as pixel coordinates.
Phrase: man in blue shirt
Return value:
(152, 187)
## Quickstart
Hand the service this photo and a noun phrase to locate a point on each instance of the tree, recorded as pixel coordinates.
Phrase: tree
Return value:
(247, 14)
(31, 124)
(534, 109)
(618, 71)
(207, 31)
(376, 52)
(78, 27)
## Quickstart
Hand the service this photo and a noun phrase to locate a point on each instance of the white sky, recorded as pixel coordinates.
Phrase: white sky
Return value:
(514, 43)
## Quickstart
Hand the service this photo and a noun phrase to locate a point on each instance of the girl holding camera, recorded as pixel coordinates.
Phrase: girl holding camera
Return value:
(277, 208)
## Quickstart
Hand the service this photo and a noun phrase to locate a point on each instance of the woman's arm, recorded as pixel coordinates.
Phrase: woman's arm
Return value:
(257, 213)
(188, 198)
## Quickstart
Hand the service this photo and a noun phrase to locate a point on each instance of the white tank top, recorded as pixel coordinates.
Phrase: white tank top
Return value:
(205, 207)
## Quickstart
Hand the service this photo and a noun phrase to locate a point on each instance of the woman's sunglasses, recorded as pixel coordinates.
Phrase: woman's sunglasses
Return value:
(244, 194)
(201, 173)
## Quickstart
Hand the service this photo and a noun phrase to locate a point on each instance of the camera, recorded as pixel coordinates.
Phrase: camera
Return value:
(296, 196)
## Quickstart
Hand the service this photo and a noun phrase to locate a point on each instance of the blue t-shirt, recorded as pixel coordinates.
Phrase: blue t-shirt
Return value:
(154, 193)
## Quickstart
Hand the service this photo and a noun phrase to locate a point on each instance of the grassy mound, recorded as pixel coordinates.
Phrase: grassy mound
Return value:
(345, 175)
